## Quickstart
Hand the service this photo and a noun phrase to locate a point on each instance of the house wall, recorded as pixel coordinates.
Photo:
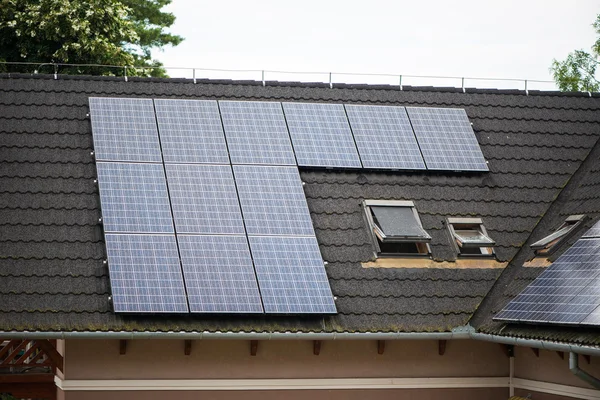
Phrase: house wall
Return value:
(224, 359)
(549, 367)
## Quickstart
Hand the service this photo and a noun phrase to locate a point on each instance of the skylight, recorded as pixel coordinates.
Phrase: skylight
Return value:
(470, 236)
(396, 227)
(547, 244)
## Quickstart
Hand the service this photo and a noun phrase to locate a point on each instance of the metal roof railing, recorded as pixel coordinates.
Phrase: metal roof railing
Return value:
(265, 76)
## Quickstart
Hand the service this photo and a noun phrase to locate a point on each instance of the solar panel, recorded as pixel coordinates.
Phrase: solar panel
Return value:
(219, 275)
(565, 293)
(446, 139)
(256, 133)
(321, 135)
(134, 198)
(594, 231)
(273, 200)
(145, 274)
(291, 275)
(204, 199)
(124, 129)
(384, 137)
(191, 131)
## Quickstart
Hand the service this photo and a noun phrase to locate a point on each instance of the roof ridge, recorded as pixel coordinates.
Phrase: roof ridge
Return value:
(228, 82)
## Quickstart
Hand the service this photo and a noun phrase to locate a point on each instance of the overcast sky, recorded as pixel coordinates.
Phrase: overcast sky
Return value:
(500, 39)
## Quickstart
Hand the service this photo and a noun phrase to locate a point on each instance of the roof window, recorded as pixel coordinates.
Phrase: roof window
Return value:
(396, 228)
(471, 237)
(549, 243)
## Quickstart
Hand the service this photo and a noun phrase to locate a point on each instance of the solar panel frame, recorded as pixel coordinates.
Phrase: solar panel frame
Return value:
(384, 137)
(145, 274)
(219, 274)
(321, 135)
(204, 199)
(191, 131)
(291, 275)
(124, 130)
(446, 139)
(594, 231)
(272, 200)
(134, 198)
(256, 133)
(558, 294)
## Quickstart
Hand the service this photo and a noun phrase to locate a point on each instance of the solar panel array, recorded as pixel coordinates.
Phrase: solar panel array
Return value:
(191, 131)
(134, 198)
(174, 206)
(219, 275)
(256, 133)
(204, 199)
(446, 139)
(566, 293)
(124, 130)
(291, 275)
(273, 200)
(321, 135)
(145, 275)
(384, 137)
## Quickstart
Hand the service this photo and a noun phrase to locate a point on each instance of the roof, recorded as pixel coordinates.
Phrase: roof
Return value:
(52, 250)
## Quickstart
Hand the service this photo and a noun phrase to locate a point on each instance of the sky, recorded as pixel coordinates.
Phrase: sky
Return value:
(474, 39)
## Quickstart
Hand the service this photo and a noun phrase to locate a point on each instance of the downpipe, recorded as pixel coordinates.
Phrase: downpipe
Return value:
(581, 374)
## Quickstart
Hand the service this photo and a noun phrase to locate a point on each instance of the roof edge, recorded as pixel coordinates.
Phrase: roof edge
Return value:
(458, 333)
(464, 332)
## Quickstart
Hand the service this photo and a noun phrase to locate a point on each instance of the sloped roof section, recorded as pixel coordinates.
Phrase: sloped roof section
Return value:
(52, 250)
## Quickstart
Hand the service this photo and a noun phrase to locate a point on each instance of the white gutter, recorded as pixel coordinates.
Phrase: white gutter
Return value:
(461, 334)
(465, 332)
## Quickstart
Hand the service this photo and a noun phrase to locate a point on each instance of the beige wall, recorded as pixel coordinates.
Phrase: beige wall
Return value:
(380, 394)
(165, 359)
(549, 367)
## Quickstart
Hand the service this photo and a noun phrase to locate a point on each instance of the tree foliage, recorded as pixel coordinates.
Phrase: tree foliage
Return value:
(106, 32)
(578, 71)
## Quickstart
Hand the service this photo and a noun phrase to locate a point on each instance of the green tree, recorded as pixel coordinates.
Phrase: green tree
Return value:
(578, 71)
(107, 32)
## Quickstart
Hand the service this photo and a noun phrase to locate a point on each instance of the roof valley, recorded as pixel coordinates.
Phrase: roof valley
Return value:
(544, 225)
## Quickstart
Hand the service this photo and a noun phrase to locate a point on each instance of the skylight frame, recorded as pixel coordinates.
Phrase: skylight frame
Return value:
(458, 228)
(551, 242)
(379, 237)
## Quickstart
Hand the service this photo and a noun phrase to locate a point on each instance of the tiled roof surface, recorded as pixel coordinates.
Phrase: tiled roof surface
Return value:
(52, 250)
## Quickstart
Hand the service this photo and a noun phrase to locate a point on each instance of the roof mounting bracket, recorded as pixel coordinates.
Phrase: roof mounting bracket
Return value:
(316, 347)
(441, 347)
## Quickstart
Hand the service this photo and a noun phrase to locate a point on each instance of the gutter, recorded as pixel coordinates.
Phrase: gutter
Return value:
(240, 335)
(581, 374)
(465, 332)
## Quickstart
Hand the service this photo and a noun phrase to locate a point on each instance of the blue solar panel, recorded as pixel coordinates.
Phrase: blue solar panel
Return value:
(273, 200)
(565, 293)
(594, 231)
(124, 129)
(446, 139)
(145, 274)
(219, 275)
(204, 199)
(291, 275)
(256, 133)
(384, 137)
(134, 198)
(321, 135)
(191, 131)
